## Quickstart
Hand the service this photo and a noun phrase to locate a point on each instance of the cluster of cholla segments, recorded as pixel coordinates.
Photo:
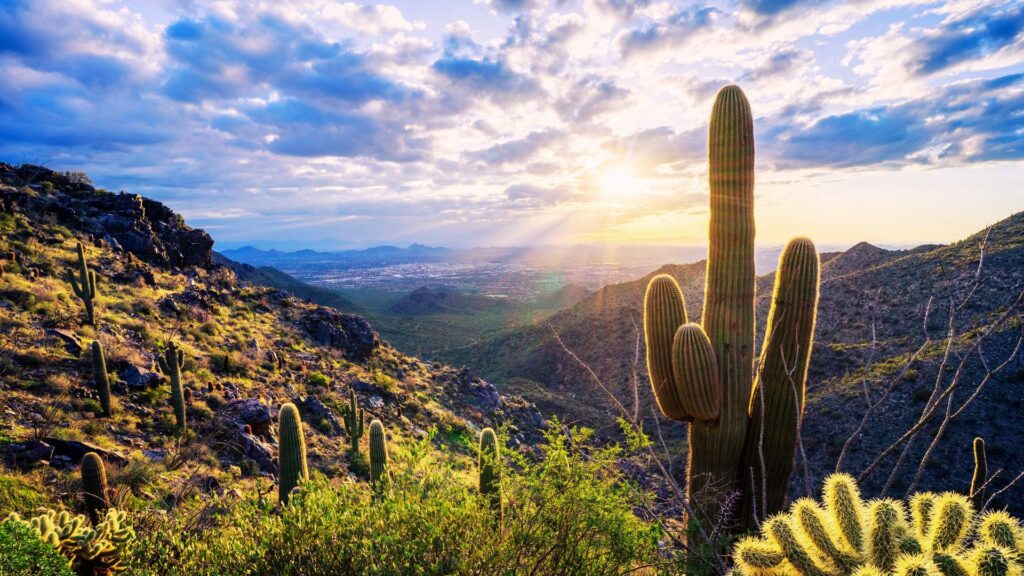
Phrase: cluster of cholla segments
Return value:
(935, 535)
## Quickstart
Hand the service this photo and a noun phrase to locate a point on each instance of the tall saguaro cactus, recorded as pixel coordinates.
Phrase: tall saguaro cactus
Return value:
(490, 472)
(100, 377)
(378, 452)
(704, 373)
(292, 457)
(171, 364)
(94, 486)
(353, 418)
(85, 285)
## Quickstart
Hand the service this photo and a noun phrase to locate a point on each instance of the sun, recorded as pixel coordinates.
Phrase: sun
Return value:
(617, 183)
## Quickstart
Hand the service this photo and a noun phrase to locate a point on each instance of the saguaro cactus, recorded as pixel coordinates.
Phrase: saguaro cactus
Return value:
(171, 364)
(980, 474)
(378, 452)
(490, 471)
(100, 377)
(705, 373)
(777, 399)
(292, 455)
(85, 286)
(94, 486)
(353, 418)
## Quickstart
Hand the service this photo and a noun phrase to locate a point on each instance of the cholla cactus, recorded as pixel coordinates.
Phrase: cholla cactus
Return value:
(85, 286)
(171, 363)
(940, 536)
(744, 428)
(353, 418)
(99, 550)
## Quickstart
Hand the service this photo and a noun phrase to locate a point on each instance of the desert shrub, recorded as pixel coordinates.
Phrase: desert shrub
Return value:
(568, 514)
(318, 380)
(24, 554)
(16, 495)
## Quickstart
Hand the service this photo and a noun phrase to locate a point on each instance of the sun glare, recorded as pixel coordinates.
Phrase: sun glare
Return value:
(617, 183)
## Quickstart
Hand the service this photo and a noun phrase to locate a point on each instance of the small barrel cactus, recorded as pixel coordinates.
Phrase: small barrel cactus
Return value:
(293, 468)
(94, 486)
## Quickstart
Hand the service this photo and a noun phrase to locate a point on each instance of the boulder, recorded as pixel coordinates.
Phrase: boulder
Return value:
(237, 413)
(136, 378)
(71, 342)
(76, 449)
(349, 333)
(314, 411)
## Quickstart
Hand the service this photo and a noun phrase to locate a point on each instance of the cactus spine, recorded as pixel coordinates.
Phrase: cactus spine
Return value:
(292, 453)
(94, 486)
(171, 364)
(353, 418)
(378, 452)
(85, 286)
(715, 369)
(490, 472)
(100, 377)
(980, 474)
(849, 536)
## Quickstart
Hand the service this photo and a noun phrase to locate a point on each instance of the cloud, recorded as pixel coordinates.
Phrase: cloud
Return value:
(493, 77)
(369, 18)
(971, 36)
(671, 32)
(659, 147)
(780, 62)
(534, 195)
(974, 121)
(589, 97)
(516, 5)
(519, 150)
(775, 7)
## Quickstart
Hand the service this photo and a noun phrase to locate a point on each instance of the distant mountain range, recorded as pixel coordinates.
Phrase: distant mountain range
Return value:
(864, 288)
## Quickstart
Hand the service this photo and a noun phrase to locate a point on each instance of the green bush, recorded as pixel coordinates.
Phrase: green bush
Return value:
(22, 553)
(567, 514)
(317, 380)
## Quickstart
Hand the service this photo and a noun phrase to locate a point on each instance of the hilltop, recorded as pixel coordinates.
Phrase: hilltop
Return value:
(250, 343)
(864, 288)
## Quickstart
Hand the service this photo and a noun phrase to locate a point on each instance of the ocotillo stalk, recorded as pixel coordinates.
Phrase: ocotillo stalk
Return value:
(353, 418)
(171, 364)
(100, 377)
(378, 452)
(490, 471)
(85, 286)
(777, 399)
(728, 314)
(94, 486)
(292, 457)
(980, 474)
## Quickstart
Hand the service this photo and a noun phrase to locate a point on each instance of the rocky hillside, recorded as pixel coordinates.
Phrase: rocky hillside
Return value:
(248, 348)
(865, 289)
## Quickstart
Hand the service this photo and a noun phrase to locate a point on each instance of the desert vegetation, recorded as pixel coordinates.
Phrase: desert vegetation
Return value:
(214, 427)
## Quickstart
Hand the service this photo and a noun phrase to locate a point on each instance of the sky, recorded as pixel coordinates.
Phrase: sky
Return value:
(332, 124)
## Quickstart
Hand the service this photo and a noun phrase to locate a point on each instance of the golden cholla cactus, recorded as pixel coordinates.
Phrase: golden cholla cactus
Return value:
(935, 535)
(97, 550)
